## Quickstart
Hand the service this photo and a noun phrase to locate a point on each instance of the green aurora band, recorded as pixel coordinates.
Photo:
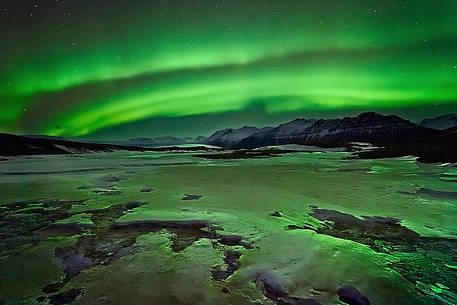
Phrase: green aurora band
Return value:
(72, 69)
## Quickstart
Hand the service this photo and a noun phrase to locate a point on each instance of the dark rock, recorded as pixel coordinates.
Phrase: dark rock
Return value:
(430, 193)
(438, 147)
(105, 240)
(437, 194)
(75, 263)
(93, 250)
(298, 227)
(185, 232)
(191, 197)
(298, 301)
(225, 290)
(64, 229)
(66, 297)
(421, 259)
(350, 295)
(83, 187)
(367, 230)
(53, 287)
(276, 214)
(19, 227)
(273, 290)
(146, 190)
(107, 192)
(234, 240)
(40, 299)
(106, 217)
(97, 248)
(232, 263)
(133, 205)
(269, 286)
(154, 225)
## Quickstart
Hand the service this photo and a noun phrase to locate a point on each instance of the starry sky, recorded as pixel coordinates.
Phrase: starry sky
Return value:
(119, 69)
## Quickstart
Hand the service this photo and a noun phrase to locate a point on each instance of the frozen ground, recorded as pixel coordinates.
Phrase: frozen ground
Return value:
(150, 228)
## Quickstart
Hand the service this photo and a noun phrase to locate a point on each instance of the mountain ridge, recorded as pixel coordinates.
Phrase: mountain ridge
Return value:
(366, 127)
(230, 137)
(15, 145)
(396, 137)
(441, 122)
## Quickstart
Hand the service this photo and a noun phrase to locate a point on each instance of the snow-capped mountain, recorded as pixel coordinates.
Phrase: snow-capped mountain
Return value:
(367, 127)
(230, 137)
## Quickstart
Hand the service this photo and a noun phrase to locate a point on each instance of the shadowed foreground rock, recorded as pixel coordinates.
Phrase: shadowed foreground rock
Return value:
(271, 289)
(424, 261)
(352, 296)
(104, 240)
(191, 197)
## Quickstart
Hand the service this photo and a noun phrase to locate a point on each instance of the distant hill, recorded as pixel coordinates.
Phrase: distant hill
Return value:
(441, 122)
(159, 141)
(44, 137)
(200, 139)
(367, 127)
(13, 145)
(230, 137)
(275, 136)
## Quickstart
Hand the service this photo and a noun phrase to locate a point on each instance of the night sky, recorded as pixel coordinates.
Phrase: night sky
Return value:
(119, 69)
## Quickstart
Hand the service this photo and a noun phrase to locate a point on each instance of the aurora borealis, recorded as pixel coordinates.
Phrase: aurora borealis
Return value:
(130, 68)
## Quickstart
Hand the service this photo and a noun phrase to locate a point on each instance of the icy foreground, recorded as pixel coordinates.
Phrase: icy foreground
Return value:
(157, 228)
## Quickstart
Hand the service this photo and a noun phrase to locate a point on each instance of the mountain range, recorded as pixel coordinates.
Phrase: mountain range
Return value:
(14, 145)
(394, 135)
(367, 127)
(158, 141)
(230, 137)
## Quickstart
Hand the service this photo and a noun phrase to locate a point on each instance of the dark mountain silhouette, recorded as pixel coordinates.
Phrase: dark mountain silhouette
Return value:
(13, 145)
(396, 136)
(438, 147)
(441, 122)
(367, 127)
(200, 139)
(276, 135)
(230, 137)
(158, 141)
